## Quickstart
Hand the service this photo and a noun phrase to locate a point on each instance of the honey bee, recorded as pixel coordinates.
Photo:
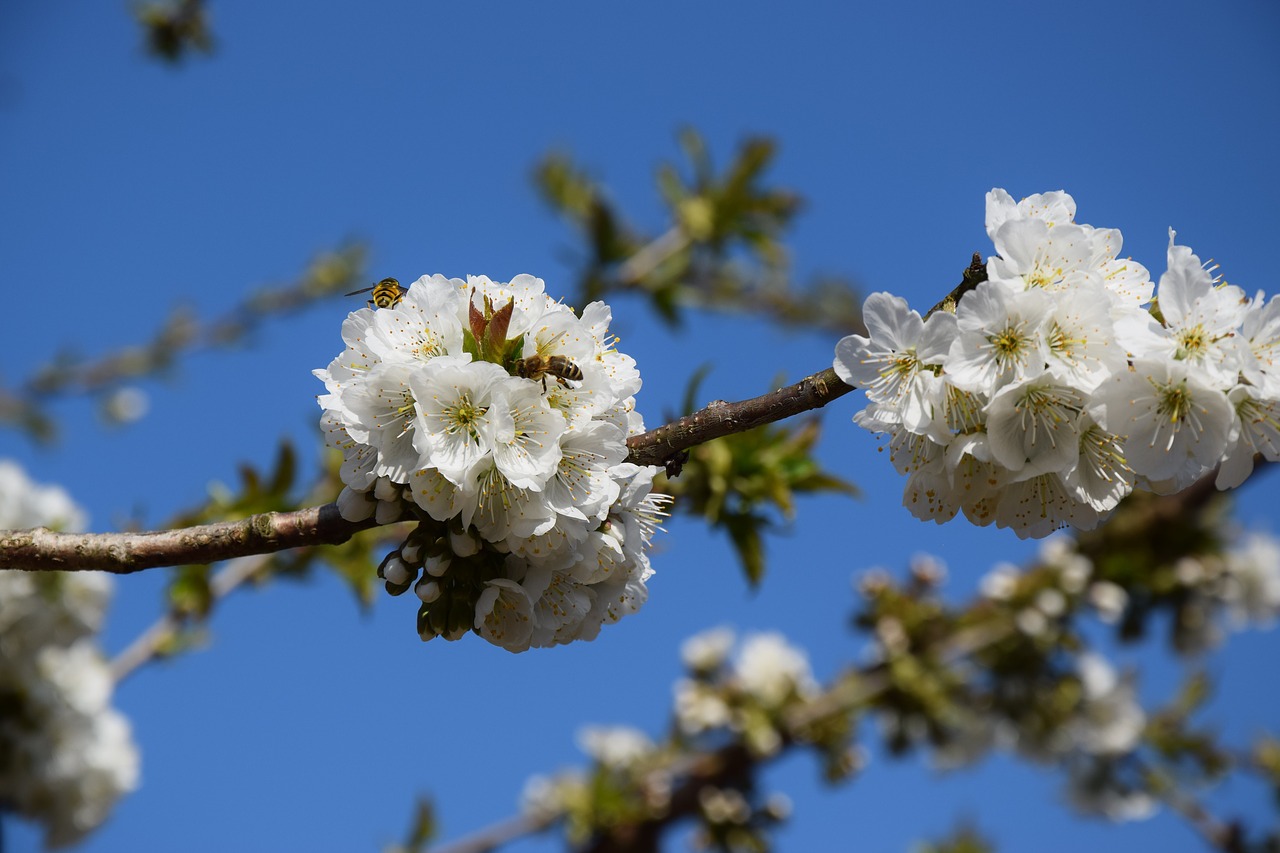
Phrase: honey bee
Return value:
(541, 366)
(386, 293)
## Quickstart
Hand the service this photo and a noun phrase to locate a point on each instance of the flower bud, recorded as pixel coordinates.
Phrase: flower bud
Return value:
(355, 506)
(427, 590)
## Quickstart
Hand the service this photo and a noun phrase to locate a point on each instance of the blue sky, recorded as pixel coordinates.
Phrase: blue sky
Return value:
(129, 187)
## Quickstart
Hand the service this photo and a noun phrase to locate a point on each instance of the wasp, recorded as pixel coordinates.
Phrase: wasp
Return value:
(386, 293)
(541, 366)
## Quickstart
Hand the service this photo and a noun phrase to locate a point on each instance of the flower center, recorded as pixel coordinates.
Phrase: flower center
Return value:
(1192, 342)
(463, 417)
(1062, 344)
(1009, 345)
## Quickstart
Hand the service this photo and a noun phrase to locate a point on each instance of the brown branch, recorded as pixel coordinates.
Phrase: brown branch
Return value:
(41, 549)
(974, 275)
(732, 764)
(659, 446)
(497, 835)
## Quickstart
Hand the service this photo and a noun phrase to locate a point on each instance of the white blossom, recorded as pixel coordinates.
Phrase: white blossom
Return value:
(771, 669)
(1031, 426)
(614, 746)
(452, 413)
(517, 474)
(1064, 385)
(1174, 424)
(504, 615)
(894, 364)
(66, 756)
(708, 650)
(998, 338)
(1256, 431)
(1110, 721)
(1253, 580)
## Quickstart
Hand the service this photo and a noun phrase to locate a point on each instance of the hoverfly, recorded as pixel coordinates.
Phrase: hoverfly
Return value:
(386, 293)
(541, 366)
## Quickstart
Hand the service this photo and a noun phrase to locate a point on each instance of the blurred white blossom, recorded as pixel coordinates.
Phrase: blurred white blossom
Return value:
(66, 756)
(771, 669)
(614, 746)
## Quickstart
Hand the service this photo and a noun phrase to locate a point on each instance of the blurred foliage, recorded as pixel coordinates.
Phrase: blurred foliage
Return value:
(27, 407)
(1169, 729)
(963, 839)
(722, 248)
(194, 591)
(1266, 760)
(1153, 568)
(741, 482)
(172, 30)
(422, 830)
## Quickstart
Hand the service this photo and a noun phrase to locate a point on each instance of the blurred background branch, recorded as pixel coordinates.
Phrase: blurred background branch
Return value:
(27, 406)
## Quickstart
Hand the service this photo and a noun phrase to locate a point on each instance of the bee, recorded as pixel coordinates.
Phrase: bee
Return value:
(386, 293)
(541, 366)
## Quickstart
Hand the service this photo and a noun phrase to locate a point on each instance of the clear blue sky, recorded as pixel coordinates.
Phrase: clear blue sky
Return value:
(129, 187)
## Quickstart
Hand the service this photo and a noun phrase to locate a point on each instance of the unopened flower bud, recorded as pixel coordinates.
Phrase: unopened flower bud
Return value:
(463, 544)
(355, 506)
(388, 512)
(395, 571)
(427, 590)
(385, 490)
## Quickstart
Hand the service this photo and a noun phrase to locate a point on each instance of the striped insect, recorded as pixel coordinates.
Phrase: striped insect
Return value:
(541, 366)
(386, 293)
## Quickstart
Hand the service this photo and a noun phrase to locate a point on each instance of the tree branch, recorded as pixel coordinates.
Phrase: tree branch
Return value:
(658, 446)
(41, 549)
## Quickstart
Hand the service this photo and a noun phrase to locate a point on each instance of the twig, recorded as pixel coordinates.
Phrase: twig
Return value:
(719, 418)
(149, 642)
(974, 275)
(493, 837)
(862, 687)
(647, 259)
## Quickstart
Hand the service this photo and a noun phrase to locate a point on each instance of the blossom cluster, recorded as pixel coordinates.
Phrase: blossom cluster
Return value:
(746, 694)
(498, 418)
(1063, 382)
(66, 755)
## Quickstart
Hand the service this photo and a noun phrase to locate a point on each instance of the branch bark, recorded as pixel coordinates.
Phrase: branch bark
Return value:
(661, 445)
(41, 549)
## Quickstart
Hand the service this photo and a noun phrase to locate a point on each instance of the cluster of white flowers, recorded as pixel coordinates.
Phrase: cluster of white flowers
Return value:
(66, 755)
(499, 418)
(1240, 586)
(766, 676)
(1108, 726)
(615, 746)
(1059, 385)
